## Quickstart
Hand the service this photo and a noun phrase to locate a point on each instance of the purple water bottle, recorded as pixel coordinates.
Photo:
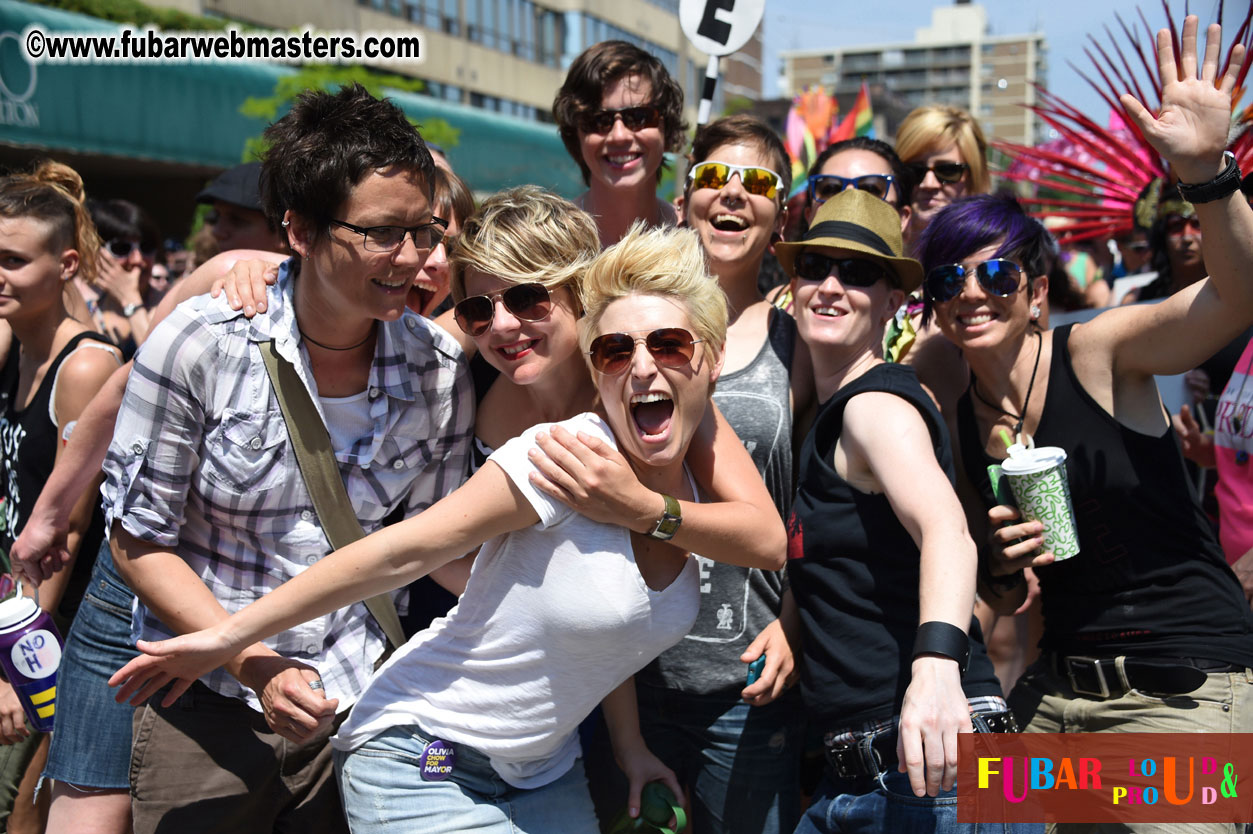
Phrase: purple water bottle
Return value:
(30, 652)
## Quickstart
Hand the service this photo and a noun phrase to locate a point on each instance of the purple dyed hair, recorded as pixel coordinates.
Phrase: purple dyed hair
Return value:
(974, 222)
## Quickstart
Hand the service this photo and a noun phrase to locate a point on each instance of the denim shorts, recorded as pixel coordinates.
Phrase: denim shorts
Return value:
(91, 738)
(383, 792)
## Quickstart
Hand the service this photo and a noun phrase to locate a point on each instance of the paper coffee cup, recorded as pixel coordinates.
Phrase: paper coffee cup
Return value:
(1037, 477)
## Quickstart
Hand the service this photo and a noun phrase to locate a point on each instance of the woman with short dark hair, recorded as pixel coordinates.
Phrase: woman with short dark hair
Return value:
(618, 113)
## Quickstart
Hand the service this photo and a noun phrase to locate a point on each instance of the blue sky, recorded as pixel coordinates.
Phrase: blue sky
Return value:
(1066, 24)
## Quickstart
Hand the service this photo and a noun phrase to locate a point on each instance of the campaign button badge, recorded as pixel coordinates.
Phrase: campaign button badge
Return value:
(437, 761)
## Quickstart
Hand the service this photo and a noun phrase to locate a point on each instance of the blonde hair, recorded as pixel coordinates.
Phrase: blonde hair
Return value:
(933, 128)
(525, 235)
(54, 193)
(669, 263)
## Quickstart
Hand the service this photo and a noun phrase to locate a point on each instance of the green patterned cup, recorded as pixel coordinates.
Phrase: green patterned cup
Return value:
(1037, 477)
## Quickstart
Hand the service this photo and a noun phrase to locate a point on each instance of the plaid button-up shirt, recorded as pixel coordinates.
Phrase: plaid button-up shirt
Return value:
(201, 463)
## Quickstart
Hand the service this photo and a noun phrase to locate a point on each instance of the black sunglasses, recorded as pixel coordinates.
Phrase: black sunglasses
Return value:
(426, 236)
(999, 276)
(823, 187)
(121, 248)
(528, 302)
(946, 172)
(634, 118)
(853, 272)
(671, 347)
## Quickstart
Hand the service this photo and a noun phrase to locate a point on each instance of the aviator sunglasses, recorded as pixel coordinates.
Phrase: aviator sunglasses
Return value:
(823, 187)
(671, 347)
(634, 118)
(999, 276)
(527, 302)
(852, 272)
(756, 180)
(945, 172)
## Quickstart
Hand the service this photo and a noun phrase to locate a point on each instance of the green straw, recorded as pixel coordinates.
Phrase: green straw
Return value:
(1006, 438)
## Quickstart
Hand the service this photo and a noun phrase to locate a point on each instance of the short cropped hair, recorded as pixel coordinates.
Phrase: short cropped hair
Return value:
(53, 194)
(971, 223)
(526, 235)
(748, 130)
(326, 145)
(934, 127)
(669, 263)
(595, 69)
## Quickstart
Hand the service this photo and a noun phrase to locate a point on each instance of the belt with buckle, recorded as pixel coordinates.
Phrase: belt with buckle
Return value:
(873, 754)
(1098, 677)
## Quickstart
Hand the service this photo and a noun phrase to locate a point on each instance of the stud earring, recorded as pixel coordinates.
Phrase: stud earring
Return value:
(1035, 312)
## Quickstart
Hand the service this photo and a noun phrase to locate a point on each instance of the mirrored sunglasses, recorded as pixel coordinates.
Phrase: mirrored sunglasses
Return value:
(671, 347)
(711, 174)
(946, 172)
(823, 187)
(999, 277)
(527, 302)
(634, 118)
(852, 272)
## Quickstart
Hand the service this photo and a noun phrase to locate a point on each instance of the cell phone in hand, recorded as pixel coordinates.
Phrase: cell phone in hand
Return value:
(754, 669)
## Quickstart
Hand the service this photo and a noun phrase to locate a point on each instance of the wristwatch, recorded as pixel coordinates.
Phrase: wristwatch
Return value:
(671, 518)
(131, 309)
(1227, 182)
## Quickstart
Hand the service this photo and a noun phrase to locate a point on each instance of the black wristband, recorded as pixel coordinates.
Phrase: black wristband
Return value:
(1227, 182)
(945, 639)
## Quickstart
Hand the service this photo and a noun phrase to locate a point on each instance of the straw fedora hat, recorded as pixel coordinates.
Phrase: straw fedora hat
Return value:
(857, 223)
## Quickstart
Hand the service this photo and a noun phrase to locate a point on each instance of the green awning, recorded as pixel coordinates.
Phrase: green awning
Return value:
(188, 114)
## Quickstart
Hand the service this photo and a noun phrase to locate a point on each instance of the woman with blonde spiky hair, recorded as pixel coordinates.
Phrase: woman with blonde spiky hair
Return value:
(473, 723)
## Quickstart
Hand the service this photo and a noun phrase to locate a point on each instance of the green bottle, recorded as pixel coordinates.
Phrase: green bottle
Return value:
(657, 807)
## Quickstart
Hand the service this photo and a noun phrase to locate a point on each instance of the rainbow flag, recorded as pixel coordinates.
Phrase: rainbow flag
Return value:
(858, 122)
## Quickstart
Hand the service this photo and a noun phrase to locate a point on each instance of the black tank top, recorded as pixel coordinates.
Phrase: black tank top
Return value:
(1150, 578)
(29, 441)
(854, 570)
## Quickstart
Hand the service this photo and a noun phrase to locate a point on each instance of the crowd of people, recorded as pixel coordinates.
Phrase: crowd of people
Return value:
(403, 513)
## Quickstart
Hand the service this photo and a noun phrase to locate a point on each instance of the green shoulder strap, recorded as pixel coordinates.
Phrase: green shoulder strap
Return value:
(316, 459)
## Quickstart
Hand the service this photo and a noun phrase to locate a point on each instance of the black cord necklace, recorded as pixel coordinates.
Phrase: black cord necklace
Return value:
(1020, 418)
(312, 340)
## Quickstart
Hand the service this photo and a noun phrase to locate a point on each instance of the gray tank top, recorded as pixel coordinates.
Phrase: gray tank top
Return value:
(737, 603)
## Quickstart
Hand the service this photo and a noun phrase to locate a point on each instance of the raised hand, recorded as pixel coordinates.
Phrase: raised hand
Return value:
(1191, 128)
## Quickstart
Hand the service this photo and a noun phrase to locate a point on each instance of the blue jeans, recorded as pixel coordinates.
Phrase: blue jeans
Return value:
(91, 739)
(383, 791)
(740, 764)
(887, 805)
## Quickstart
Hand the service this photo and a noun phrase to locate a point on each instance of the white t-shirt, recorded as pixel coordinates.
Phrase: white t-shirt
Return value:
(554, 618)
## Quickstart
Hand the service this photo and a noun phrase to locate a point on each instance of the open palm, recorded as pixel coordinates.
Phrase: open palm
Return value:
(1191, 128)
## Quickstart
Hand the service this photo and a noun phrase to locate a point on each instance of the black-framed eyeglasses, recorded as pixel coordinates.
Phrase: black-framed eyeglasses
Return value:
(999, 276)
(823, 187)
(121, 248)
(716, 175)
(634, 118)
(390, 238)
(671, 347)
(527, 302)
(946, 172)
(852, 272)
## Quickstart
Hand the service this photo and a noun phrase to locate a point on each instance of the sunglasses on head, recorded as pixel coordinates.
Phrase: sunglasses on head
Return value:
(1177, 225)
(634, 118)
(671, 347)
(528, 302)
(756, 180)
(823, 187)
(946, 172)
(852, 272)
(999, 276)
(122, 248)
